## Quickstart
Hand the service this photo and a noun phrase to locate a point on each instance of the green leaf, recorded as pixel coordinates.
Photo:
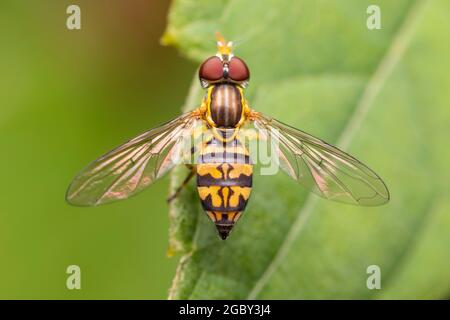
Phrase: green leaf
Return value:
(381, 95)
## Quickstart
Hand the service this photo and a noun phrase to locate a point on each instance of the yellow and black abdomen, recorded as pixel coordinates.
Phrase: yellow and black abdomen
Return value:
(224, 182)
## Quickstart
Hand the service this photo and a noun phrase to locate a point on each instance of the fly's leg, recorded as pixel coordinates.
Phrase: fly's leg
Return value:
(183, 184)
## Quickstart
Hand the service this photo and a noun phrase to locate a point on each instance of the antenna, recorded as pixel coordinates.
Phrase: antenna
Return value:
(223, 47)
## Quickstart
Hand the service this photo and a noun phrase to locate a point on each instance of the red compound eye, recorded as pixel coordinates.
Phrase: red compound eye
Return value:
(238, 70)
(211, 69)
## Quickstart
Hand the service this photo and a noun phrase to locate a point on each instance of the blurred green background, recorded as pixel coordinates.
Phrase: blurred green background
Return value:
(66, 97)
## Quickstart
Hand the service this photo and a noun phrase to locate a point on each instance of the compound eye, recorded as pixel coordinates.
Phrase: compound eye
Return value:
(238, 70)
(211, 69)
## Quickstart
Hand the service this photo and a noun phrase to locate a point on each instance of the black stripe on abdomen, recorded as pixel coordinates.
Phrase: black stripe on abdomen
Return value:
(208, 180)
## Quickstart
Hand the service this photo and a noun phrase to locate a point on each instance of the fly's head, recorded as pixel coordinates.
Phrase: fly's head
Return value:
(224, 67)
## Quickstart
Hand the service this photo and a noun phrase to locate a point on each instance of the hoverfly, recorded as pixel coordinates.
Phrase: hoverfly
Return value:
(221, 160)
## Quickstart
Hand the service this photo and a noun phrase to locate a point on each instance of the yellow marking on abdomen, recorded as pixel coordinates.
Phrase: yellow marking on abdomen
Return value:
(237, 192)
(213, 191)
(225, 194)
(238, 169)
(209, 168)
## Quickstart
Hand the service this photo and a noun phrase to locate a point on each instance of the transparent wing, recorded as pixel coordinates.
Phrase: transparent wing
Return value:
(320, 167)
(133, 166)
